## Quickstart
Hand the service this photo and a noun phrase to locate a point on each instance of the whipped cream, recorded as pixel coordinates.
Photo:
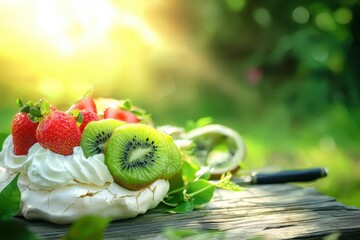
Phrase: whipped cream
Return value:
(49, 170)
(11, 161)
(60, 189)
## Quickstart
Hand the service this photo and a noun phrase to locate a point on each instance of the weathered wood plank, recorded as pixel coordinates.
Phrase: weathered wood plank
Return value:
(267, 211)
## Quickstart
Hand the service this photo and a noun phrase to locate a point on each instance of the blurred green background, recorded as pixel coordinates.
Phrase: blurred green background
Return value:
(282, 73)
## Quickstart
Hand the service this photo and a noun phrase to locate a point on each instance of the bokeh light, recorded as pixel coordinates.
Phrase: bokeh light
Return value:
(262, 17)
(343, 15)
(301, 15)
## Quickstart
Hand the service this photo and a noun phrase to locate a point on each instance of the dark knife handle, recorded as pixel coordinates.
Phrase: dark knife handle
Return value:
(304, 175)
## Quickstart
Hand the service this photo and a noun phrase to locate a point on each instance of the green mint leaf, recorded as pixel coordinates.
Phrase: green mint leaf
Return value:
(19, 102)
(183, 208)
(174, 199)
(176, 182)
(10, 198)
(44, 107)
(88, 227)
(201, 192)
(203, 173)
(188, 171)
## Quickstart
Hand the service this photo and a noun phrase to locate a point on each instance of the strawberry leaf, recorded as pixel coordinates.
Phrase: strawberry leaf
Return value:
(126, 105)
(25, 109)
(80, 118)
(10, 200)
(35, 112)
(44, 107)
(19, 102)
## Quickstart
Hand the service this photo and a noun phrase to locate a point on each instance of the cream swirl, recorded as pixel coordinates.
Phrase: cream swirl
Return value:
(90, 170)
(47, 168)
(11, 161)
(50, 170)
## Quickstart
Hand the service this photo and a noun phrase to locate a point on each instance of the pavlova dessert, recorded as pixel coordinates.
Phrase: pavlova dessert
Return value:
(101, 157)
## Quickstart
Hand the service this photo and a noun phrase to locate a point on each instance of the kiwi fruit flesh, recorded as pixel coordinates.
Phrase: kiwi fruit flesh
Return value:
(136, 155)
(96, 134)
(175, 160)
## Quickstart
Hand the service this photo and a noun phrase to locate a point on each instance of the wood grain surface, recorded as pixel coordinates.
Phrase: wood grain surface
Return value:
(278, 211)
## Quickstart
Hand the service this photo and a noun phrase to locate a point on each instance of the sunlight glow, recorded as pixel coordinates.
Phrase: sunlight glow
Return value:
(75, 41)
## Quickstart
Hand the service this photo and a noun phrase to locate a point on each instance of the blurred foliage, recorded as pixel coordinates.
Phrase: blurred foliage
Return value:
(282, 73)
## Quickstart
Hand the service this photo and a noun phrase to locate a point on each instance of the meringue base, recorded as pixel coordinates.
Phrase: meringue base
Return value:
(67, 204)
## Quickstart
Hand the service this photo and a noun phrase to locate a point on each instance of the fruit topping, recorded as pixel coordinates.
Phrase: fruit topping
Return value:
(122, 110)
(84, 117)
(137, 155)
(96, 134)
(85, 103)
(120, 114)
(58, 132)
(23, 132)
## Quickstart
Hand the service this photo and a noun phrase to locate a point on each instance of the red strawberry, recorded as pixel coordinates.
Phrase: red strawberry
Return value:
(87, 116)
(58, 132)
(23, 132)
(120, 114)
(86, 103)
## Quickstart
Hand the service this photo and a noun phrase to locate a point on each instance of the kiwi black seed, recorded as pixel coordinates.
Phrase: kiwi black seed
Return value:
(96, 134)
(136, 155)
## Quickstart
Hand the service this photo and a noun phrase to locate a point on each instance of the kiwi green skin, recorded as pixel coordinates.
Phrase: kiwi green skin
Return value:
(93, 128)
(136, 177)
(175, 160)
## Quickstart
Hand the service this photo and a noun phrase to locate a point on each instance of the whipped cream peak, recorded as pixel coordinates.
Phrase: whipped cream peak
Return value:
(91, 170)
(11, 161)
(48, 170)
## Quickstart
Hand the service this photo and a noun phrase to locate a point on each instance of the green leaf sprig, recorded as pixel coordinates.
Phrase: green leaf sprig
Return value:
(196, 189)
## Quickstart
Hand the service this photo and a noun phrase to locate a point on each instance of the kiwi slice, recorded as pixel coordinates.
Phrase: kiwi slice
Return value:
(175, 160)
(136, 155)
(96, 134)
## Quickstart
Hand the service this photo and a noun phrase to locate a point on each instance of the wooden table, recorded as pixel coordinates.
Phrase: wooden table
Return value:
(279, 211)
